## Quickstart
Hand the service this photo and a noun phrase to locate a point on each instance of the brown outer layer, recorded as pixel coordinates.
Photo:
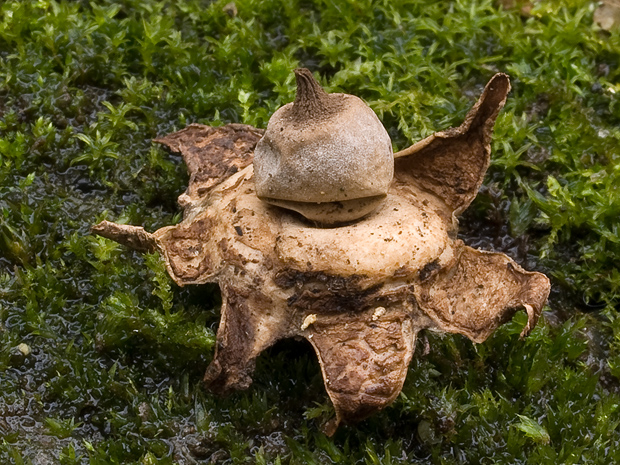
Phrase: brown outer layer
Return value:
(358, 293)
(452, 163)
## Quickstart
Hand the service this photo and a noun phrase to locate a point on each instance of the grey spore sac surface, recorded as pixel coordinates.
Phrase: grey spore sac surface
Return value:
(326, 156)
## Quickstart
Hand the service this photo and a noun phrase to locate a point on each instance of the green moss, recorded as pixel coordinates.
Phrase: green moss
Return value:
(117, 352)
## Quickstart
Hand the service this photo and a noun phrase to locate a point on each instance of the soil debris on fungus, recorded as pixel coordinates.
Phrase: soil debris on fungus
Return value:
(359, 292)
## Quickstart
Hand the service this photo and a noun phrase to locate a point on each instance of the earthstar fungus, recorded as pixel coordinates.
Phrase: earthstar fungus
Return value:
(359, 292)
